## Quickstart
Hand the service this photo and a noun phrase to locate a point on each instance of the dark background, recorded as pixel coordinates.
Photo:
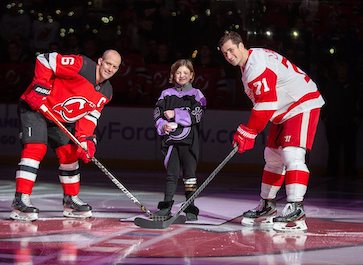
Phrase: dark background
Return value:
(324, 38)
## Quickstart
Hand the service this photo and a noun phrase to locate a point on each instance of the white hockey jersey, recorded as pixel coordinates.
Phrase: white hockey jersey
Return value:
(277, 88)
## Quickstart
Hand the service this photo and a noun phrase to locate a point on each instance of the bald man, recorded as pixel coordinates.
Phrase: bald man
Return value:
(75, 89)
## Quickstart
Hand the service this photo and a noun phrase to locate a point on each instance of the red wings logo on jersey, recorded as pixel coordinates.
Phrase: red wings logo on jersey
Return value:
(74, 108)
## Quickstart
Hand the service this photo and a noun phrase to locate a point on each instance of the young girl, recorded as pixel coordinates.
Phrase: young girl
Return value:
(178, 113)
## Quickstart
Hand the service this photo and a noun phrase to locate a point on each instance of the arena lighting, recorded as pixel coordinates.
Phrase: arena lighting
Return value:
(62, 32)
(332, 51)
(194, 18)
(194, 54)
(295, 34)
(105, 20)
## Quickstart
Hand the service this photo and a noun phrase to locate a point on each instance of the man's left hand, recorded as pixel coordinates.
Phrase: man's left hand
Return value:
(89, 148)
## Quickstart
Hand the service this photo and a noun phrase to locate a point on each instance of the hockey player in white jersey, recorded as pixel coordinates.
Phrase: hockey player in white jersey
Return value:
(284, 95)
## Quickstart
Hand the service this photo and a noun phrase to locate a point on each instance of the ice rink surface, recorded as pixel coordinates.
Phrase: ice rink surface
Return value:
(334, 219)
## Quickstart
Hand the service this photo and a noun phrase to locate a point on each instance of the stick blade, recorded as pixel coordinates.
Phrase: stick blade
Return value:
(153, 224)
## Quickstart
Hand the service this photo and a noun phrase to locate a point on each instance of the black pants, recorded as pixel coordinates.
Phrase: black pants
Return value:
(178, 159)
(35, 128)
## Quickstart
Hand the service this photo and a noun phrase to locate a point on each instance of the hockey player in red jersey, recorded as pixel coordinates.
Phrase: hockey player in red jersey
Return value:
(75, 89)
(284, 95)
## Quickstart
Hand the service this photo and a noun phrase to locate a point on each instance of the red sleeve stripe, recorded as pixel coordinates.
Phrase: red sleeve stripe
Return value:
(259, 119)
(307, 97)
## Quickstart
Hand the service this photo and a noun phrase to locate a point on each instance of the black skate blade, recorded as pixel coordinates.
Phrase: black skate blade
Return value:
(153, 224)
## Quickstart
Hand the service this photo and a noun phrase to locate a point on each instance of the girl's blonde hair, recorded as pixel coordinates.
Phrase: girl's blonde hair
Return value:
(179, 63)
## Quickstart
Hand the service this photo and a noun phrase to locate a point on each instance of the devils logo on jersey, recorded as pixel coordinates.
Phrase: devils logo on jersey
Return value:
(74, 108)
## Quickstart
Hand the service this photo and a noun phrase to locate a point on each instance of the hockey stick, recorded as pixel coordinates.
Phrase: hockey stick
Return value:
(48, 113)
(178, 218)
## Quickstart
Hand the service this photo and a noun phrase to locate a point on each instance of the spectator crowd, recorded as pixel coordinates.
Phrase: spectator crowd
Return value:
(150, 34)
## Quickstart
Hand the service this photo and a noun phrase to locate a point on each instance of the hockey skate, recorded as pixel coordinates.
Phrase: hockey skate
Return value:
(75, 207)
(164, 210)
(192, 212)
(292, 218)
(261, 216)
(23, 210)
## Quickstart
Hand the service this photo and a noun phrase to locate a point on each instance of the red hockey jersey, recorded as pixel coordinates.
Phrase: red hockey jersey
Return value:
(74, 97)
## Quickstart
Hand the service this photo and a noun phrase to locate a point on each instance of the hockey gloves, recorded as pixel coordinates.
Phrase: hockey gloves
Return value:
(89, 148)
(244, 137)
(37, 96)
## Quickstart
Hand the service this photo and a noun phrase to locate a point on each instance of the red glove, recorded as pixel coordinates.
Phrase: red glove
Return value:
(89, 148)
(36, 97)
(244, 137)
